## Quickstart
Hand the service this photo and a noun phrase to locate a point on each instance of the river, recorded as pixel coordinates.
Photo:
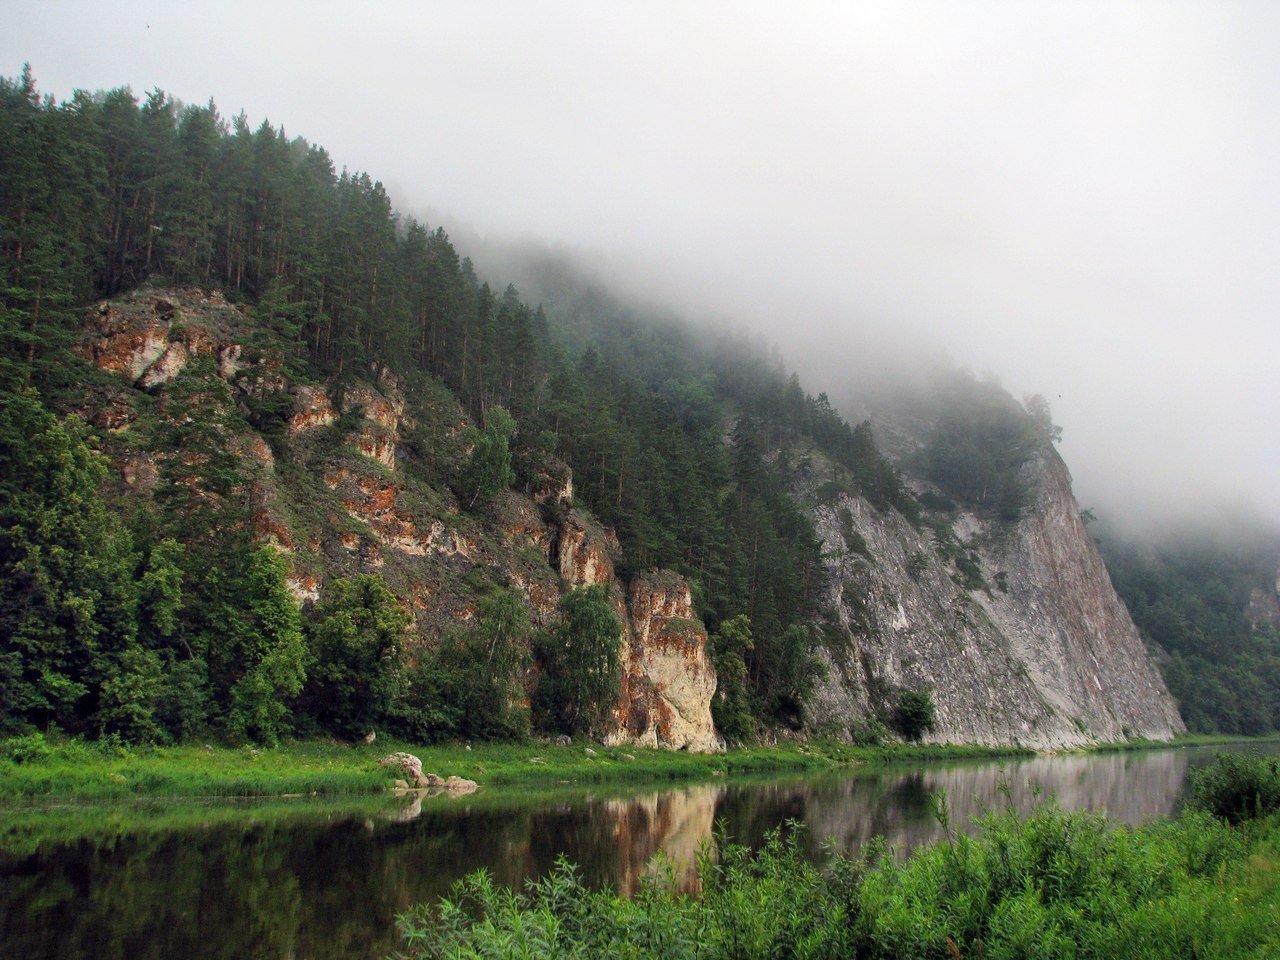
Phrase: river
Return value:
(306, 880)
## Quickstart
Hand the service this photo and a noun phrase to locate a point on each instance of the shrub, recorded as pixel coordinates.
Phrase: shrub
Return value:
(583, 666)
(1237, 787)
(914, 714)
(469, 686)
(31, 748)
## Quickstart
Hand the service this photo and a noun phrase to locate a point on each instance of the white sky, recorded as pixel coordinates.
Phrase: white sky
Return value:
(1083, 198)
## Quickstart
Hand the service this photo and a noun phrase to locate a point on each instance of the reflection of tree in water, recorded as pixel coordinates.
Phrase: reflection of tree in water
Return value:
(912, 797)
(154, 896)
(749, 813)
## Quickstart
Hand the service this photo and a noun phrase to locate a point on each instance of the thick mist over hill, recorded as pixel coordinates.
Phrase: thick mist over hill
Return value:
(1077, 198)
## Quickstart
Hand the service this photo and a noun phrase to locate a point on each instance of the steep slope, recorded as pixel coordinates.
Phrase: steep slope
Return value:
(1014, 628)
(1206, 595)
(999, 606)
(341, 482)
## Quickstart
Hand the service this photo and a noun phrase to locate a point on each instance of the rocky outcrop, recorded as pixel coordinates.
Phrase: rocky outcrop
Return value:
(326, 476)
(584, 551)
(311, 409)
(668, 679)
(1065, 621)
(381, 415)
(149, 336)
(1036, 650)
(1264, 606)
(1044, 654)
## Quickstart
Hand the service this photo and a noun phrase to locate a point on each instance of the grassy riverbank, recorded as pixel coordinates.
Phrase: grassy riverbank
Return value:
(37, 768)
(1186, 740)
(1049, 885)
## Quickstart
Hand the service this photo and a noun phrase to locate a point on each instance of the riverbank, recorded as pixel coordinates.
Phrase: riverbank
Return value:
(1186, 740)
(35, 768)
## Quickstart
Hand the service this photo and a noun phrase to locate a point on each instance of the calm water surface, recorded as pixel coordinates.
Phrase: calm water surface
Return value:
(305, 881)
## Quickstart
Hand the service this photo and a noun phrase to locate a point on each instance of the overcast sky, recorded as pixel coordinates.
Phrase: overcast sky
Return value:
(1083, 198)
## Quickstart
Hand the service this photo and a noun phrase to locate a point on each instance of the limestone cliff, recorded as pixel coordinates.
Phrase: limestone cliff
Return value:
(1028, 645)
(668, 680)
(363, 493)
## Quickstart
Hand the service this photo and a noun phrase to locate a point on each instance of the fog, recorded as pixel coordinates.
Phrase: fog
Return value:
(1081, 199)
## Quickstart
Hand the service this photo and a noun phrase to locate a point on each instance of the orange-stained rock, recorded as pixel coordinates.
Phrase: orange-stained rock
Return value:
(374, 501)
(166, 366)
(311, 409)
(383, 414)
(668, 678)
(377, 445)
(553, 483)
(149, 336)
(584, 552)
(521, 523)
(269, 529)
(305, 587)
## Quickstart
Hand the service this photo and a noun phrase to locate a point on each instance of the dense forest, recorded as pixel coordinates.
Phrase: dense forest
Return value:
(172, 621)
(1200, 599)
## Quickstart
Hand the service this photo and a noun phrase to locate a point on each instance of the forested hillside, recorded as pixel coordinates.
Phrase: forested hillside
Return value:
(167, 615)
(1207, 598)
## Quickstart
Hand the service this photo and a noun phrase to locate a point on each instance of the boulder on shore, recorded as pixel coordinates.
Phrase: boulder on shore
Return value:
(409, 764)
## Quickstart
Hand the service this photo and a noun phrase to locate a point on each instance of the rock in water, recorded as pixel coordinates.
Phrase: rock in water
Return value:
(459, 786)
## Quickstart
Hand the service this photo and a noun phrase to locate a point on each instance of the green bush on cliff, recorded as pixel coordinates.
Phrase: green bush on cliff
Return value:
(914, 714)
(730, 708)
(355, 646)
(468, 687)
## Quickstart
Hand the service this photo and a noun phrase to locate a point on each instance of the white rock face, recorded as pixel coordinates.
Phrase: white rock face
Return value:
(167, 366)
(311, 409)
(584, 554)
(1051, 660)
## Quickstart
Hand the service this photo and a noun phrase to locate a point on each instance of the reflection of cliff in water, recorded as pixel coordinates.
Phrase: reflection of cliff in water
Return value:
(1132, 787)
(327, 885)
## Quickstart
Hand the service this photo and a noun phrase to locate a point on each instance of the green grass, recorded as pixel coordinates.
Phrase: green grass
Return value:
(36, 768)
(1185, 740)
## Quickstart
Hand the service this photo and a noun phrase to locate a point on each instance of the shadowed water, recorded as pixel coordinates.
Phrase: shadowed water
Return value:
(301, 881)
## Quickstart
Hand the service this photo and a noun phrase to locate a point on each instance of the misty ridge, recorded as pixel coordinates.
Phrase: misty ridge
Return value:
(900, 383)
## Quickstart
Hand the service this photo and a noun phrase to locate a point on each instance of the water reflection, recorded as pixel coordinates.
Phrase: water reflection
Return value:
(318, 885)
